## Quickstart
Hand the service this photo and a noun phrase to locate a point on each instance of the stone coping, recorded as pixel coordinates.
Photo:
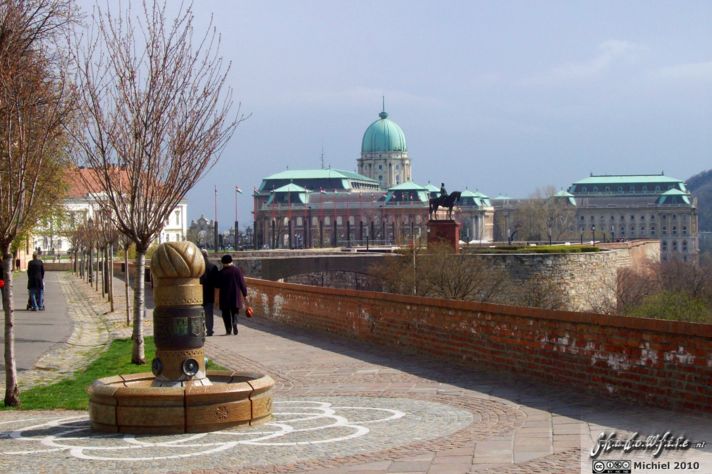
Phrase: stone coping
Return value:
(626, 322)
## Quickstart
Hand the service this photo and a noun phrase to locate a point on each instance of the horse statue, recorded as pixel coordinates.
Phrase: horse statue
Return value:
(447, 201)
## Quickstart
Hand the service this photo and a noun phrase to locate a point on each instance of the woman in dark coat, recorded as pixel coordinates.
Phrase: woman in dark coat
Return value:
(232, 292)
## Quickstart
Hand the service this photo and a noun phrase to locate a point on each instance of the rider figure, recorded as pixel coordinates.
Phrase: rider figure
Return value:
(443, 191)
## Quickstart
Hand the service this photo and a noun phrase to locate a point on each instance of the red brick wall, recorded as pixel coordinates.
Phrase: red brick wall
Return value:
(663, 363)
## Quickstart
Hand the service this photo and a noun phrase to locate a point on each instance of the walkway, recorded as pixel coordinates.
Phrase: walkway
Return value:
(346, 407)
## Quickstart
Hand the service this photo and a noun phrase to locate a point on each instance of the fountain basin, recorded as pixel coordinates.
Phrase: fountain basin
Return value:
(130, 404)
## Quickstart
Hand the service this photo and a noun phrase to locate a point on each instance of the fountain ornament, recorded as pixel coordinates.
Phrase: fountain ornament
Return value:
(180, 396)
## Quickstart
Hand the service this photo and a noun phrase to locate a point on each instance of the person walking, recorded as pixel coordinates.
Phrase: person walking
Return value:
(209, 281)
(35, 283)
(232, 293)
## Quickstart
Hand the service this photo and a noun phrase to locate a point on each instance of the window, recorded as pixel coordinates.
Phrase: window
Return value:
(664, 230)
(380, 167)
(299, 221)
(674, 230)
(595, 189)
(620, 189)
(177, 237)
(642, 218)
(608, 189)
(631, 189)
(684, 246)
(684, 230)
(645, 189)
(664, 245)
(584, 189)
(657, 189)
(674, 245)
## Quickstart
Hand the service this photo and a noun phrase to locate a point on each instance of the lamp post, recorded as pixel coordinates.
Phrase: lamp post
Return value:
(613, 233)
(581, 231)
(237, 239)
(593, 233)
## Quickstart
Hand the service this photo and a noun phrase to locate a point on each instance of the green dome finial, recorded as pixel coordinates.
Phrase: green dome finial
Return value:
(383, 135)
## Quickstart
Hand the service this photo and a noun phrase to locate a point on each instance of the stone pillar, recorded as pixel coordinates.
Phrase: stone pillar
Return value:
(444, 232)
(178, 320)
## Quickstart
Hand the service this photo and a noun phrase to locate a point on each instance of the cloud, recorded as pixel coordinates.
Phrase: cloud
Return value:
(686, 72)
(609, 53)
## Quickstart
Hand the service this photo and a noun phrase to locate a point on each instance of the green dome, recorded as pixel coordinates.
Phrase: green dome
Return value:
(383, 135)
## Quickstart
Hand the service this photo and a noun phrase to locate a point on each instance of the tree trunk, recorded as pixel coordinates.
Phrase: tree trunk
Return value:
(104, 285)
(138, 355)
(110, 253)
(126, 284)
(97, 272)
(12, 392)
(90, 268)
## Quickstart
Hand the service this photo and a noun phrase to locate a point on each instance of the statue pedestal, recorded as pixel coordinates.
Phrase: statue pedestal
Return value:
(444, 232)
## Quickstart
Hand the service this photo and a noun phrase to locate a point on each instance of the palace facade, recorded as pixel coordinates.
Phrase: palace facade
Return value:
(380, 204)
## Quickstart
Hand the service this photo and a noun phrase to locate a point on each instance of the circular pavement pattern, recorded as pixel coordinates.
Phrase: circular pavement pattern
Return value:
(302, 429)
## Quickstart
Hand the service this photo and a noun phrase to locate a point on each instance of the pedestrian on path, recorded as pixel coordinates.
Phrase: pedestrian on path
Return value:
(232, 293)
(35, 283)
(209, 280)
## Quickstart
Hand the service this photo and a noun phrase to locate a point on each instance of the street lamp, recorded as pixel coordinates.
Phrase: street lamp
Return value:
(593, 233)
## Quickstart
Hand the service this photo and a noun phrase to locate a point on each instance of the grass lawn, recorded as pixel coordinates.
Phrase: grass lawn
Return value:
(71, 393)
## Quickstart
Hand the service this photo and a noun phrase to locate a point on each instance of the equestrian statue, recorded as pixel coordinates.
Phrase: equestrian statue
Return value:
(444, 200)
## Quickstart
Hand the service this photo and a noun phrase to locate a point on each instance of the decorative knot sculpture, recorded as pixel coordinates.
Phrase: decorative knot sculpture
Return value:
(178, 319)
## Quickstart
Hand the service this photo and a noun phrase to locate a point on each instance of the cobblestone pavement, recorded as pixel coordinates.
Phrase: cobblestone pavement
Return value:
(345, 407)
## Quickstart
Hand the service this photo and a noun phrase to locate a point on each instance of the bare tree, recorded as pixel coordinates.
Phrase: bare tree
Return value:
(156, 112)
(34, 106)
(440, 273)
(544, 216)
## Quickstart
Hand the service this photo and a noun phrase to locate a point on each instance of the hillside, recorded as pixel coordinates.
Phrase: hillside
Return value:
(700, 186)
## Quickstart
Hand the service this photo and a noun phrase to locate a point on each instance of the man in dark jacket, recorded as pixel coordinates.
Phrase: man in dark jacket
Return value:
(232, 292)
(35, 283)
(209, 280)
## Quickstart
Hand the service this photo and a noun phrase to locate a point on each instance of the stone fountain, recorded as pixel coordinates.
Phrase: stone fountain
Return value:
(180, 396)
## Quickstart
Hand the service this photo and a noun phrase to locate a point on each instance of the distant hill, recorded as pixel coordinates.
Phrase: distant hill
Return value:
(700, 186)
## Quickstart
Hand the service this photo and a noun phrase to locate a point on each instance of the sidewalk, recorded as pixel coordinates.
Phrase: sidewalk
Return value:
(340, 406)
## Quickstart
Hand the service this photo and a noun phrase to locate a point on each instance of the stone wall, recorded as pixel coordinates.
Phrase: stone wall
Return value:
(581, 281)
(662, 363)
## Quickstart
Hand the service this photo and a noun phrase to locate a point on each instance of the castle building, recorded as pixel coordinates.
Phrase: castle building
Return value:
(379, 204)
(639, 207)
(82, 205)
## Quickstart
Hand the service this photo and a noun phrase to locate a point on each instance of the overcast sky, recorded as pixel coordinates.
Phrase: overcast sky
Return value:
(500, 96)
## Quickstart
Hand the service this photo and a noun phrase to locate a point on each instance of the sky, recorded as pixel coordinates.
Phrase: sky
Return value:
(500, 96)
